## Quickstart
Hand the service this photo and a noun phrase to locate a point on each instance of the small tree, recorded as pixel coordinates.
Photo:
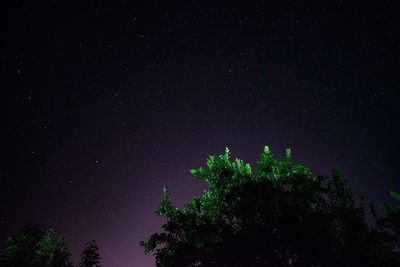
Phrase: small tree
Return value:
(33, 247)
(90, 255)
(279, 215)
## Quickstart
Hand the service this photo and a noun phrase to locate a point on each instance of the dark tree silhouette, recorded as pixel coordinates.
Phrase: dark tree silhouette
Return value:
(90, 255)
(33, 247)
(279, 215)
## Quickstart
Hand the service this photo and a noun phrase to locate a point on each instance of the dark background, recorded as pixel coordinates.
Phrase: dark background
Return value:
(103, 103)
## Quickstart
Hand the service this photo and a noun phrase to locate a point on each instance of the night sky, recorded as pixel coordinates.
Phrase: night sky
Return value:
(104, 103)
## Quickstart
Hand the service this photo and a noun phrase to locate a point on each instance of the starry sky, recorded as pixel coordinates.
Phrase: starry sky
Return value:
(104, 103)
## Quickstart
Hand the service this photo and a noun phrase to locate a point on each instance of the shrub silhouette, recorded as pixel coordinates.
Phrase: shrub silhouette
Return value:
(90, 256)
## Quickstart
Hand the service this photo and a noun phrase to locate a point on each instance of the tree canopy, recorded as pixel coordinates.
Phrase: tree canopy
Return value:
(280, 214)
(33, 247)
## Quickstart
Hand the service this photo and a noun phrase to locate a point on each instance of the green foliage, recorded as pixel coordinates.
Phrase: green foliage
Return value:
(395, 196)
(35, 248)
(90, 256)
(279, 215)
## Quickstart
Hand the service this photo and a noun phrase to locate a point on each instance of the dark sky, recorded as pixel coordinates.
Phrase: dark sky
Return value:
(104, 103)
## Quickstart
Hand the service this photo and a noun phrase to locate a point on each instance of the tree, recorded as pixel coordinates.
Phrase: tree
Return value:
(279, 215)
(90, 255)
(387, 230)
(33, 247)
